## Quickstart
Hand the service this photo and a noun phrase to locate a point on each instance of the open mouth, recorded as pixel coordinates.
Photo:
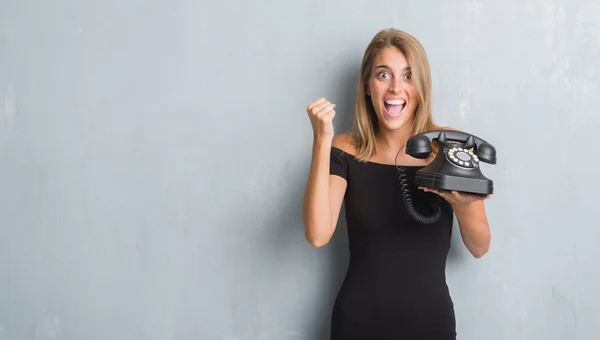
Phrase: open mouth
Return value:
(394, 108)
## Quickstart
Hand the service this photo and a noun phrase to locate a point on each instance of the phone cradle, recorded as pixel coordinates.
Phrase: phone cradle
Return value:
(456, 166)
(455, 169)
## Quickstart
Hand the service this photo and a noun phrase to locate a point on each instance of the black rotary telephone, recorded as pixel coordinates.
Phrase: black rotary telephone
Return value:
(455, 167)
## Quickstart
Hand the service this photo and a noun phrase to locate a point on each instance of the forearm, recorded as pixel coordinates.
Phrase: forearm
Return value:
(474, 227)
(316, 210)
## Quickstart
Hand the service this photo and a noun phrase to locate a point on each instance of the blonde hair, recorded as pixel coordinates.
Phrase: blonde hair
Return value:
(365, 119)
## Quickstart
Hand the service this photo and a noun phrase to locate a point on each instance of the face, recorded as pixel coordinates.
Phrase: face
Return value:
(392, 90)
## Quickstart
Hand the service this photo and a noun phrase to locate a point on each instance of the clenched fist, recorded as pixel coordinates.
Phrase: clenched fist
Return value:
(321, 115)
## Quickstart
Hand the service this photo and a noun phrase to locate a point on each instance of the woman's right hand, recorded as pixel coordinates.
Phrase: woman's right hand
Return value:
(321, 115)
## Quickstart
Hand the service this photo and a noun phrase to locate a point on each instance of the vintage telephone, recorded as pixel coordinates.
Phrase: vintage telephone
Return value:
(455, 167)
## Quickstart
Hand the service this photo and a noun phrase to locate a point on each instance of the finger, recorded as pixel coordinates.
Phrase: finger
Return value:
(312, 105)
(462, 195)
(315, 103)
(446, 195)
(328, 116)
(322, 106)
(325, 110)
(435, 191)
(319, 106)
(479, 197)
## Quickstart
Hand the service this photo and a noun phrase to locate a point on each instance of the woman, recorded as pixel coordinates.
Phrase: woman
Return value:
(395, 286)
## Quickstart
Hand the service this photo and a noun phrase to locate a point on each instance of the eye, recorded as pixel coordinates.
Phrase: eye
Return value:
(409, 76)
(383, 75)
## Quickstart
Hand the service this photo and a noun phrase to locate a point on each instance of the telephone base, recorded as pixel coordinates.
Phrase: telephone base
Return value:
(472, 186)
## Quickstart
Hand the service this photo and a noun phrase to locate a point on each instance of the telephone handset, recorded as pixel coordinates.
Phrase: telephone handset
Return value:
(455, 167)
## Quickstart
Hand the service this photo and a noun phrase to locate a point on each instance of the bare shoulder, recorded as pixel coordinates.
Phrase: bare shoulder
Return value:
(343, 142)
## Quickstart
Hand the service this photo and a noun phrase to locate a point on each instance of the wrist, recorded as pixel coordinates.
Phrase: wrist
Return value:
(461, 207)
(322, 141)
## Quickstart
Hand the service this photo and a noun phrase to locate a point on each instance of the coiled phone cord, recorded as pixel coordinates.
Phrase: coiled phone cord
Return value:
(406, 197)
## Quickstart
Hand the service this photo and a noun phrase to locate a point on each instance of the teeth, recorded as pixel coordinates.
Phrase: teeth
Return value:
(395, 102)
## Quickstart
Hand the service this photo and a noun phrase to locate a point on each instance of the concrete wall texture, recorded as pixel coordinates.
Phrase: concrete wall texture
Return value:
(153, 156)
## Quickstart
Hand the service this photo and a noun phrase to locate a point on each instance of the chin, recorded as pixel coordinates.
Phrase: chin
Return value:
(392, 125)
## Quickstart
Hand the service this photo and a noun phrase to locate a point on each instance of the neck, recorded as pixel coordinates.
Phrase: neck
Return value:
(393, 140)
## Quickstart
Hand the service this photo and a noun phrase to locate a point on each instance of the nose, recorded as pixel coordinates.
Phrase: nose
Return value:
(395, 85)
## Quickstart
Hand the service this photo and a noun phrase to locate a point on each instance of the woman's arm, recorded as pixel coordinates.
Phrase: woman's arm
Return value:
(324, 193)
(472, 219)
(474, 227)
(323, 196)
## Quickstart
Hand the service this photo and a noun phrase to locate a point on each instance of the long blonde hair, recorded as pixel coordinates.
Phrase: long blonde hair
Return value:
(365, 118)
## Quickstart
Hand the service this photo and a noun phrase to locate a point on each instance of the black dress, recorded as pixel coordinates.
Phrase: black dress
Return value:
(395, 285)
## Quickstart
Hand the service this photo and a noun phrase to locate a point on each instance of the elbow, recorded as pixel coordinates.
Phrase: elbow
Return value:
(317, 235)
(317, 242)
(317, 239)
(480, 252)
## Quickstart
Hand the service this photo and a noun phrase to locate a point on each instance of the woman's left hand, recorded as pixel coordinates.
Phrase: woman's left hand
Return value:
(456, 197)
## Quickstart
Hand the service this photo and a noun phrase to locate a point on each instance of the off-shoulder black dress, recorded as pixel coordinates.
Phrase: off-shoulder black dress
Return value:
(395, 286)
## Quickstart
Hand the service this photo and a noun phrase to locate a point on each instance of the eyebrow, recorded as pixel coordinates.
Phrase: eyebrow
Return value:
(407, 68)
